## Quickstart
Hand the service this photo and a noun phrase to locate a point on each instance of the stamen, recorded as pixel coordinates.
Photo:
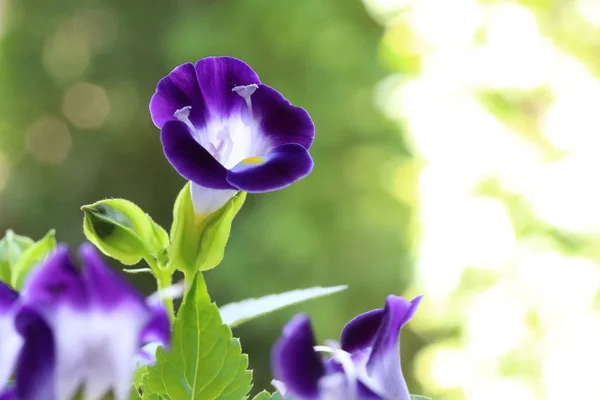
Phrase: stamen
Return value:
(246, 92)
(225, 145)
(212, 150)
(345, 360)
(183, 114)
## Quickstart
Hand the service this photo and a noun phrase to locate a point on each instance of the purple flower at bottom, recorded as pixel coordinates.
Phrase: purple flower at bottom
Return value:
(225, 131)
(365, 365)
(76, 328)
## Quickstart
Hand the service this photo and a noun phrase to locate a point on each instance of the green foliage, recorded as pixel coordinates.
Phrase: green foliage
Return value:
(11, 248)
(198, 241)
(264, 395)
(122, 230)
(235, 314)
(31, 257)
(205, 362)
(417, 397)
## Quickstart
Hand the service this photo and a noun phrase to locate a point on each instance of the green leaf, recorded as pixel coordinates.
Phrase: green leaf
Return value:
(11, 248)
(198, 241)
(205, 362)
(417, 397)
(31, 257)
(264, 395)
(122, 230)
(235, 314)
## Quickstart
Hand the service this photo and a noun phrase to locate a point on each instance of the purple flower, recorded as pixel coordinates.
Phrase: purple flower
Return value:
(224, 131)
(365, 364)
(77, 328)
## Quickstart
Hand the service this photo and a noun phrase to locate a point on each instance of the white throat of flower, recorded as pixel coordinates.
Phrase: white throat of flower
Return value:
(345, 360)
(221, 145)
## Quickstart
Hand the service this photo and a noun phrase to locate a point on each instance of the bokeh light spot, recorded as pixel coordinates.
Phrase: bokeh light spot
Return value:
(49, 141)
(86, 106)
(66, 53)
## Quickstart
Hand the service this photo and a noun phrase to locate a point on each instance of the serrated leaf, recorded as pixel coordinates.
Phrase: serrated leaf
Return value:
(205, 362)
(235, 314)
(417, 397)
(264, 395)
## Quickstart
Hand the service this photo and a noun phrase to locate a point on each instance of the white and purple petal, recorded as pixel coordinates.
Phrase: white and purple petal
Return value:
(10, 340)
(383, 367)
(294, 361)
(190, 159)
(281, 167)
(279, 121)
(117, 317)
(36, 367)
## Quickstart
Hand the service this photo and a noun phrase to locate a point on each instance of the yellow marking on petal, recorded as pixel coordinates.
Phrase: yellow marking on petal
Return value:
(253, 160)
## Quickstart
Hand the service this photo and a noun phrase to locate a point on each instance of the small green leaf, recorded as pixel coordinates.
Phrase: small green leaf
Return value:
(417, 397)
(11, 248)
(205, 362)
(264, 395)
(198, 241)
(31, 257)
(121, 230)
(235, 314)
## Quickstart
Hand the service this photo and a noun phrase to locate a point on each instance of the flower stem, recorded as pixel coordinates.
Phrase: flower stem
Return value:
(163, 281)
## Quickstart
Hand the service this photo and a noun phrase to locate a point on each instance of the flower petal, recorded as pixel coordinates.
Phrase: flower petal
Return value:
(359, 333)
(206, 200)
(9, 393)
(217, 76)
(175, 91)
(36, 365)
(158, 327)
(383, 367)
(117, 317)
(56, 297)
(281, 167)
(294, 361)
(190, 159)
(280, 121)
(106, 290)
(54, 284)
(10, 340)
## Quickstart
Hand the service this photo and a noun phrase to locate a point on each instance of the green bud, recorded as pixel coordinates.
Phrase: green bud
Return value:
(11, 248)
(122, 230)
(198, 241)
(31, 258)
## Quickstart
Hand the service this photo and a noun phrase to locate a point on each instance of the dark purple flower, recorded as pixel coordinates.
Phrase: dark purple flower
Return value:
(224, 131)
(10, 340)
(364, 365)
(78, 328)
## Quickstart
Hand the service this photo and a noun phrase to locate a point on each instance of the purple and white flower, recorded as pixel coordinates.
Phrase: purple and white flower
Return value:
(364, 365)
(78, 329)
(225, 131)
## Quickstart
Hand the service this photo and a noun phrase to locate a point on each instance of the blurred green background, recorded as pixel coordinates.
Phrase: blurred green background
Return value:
(456, 155)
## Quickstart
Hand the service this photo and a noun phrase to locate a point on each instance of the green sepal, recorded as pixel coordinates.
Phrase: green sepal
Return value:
(122, 230)
(31, 257)
(11, 248)
(417, 397)
(198, 241)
